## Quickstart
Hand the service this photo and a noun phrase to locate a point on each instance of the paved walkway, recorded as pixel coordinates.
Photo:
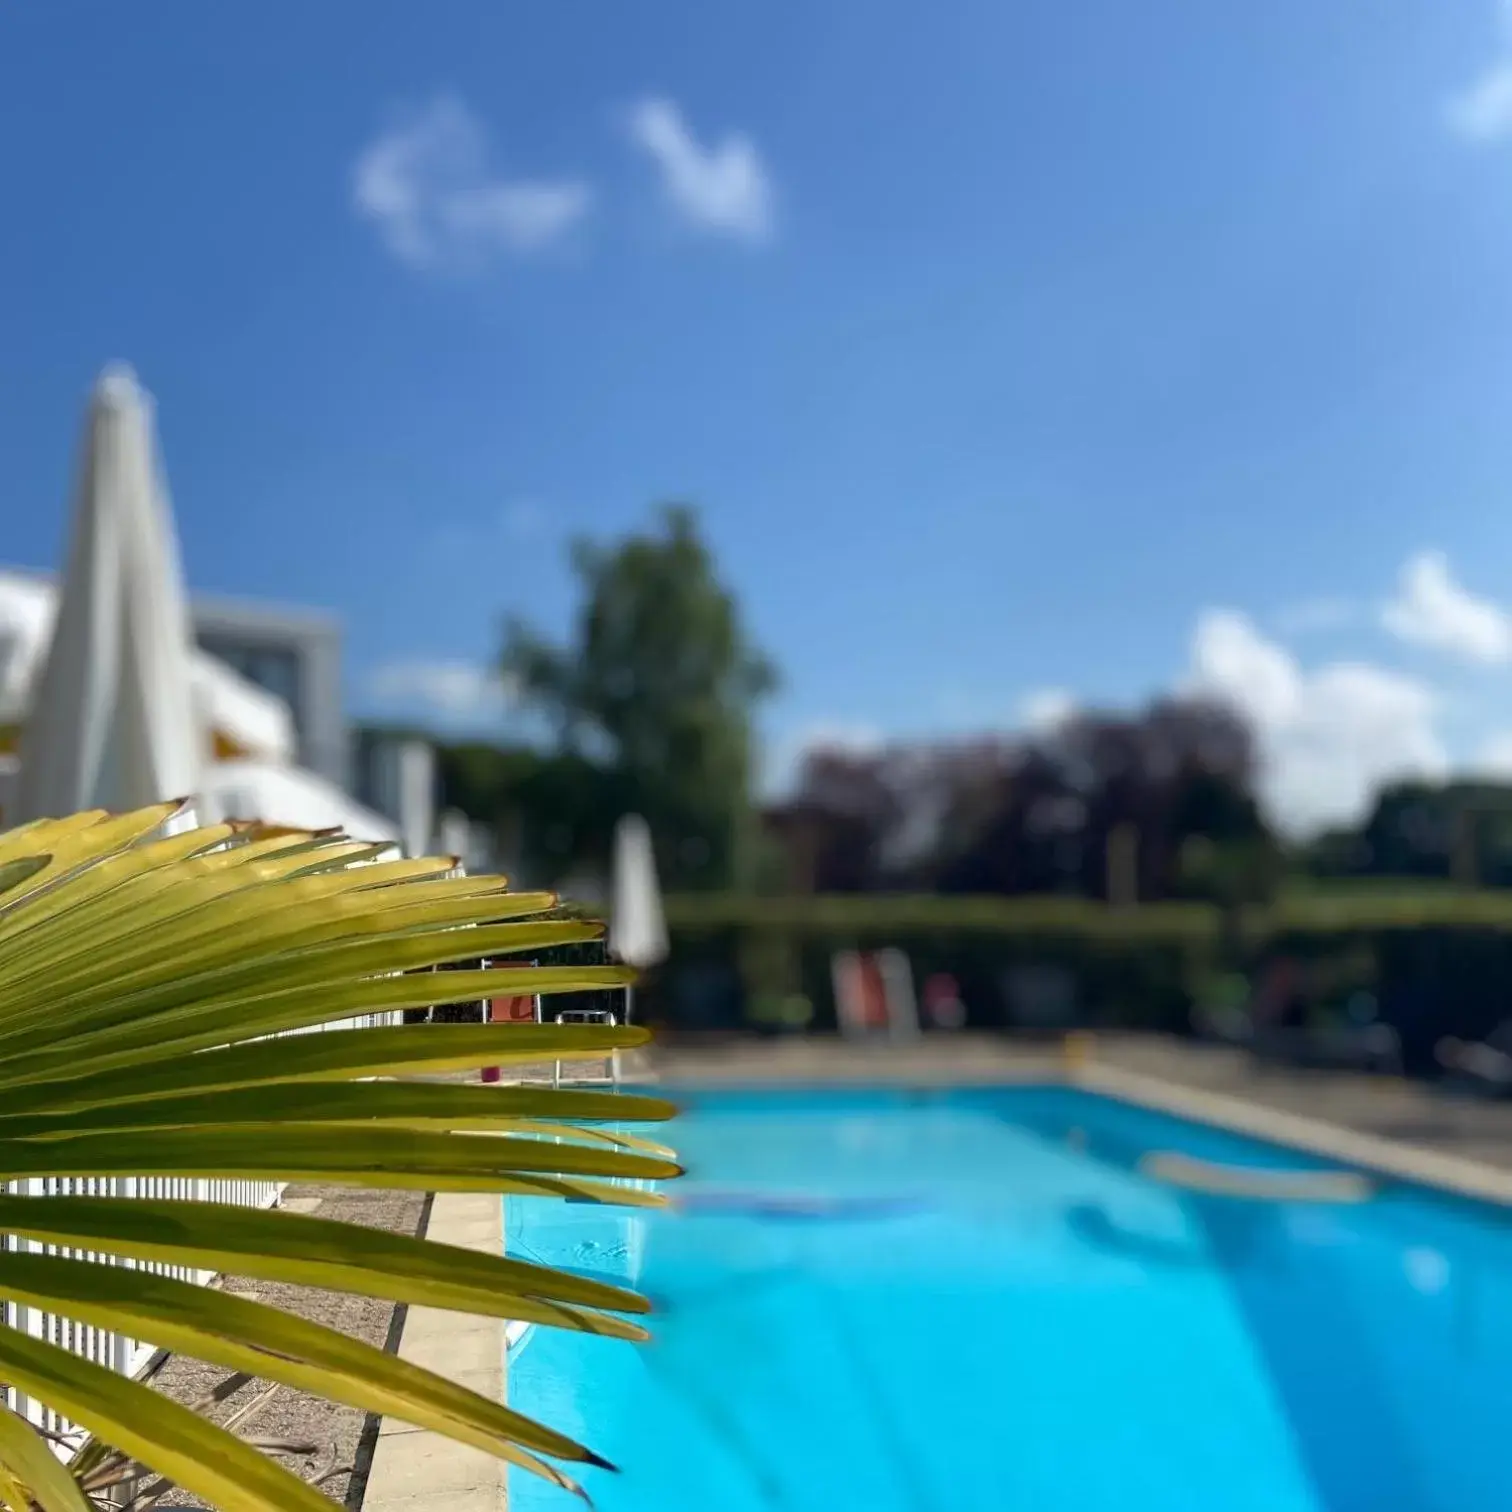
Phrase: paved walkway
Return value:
(1408, 1113)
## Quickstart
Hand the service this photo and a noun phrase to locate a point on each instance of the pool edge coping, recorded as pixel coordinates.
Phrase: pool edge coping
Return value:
(415, 1468)
(1458, 1175)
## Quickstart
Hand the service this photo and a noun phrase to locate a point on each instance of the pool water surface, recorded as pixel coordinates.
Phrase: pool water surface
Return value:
(972, 1301)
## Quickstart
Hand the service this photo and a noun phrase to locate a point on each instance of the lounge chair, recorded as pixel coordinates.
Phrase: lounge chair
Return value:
(1275, 1027)
(1482, 1065)
(1348, 1046)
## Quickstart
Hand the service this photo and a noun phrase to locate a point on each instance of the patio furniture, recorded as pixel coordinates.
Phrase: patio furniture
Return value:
(1483, 1066)
(874, 994)
(1370, 1046)
(1276, 1026)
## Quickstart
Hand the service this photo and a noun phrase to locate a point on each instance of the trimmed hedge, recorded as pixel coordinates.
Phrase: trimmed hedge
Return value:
(1438, 961)
(1322, 911)
(696, 913)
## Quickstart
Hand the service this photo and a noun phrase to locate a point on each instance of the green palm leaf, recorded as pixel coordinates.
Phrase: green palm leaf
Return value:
(316, 1252)
(331, 1058)
(372, 1156)
(206, 1026)
(142, 979)
(245, 1335)
(196, 1454)
(34, 1472)
(410, 1104)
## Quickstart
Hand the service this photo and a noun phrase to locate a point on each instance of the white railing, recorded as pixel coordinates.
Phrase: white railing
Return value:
(113, 1350)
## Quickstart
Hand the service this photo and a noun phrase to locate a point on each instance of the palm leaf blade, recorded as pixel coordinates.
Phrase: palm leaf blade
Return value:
(375, 1156)
(304, 1251)
(210, 1026)
(261, 1340)
(31, 1465)
(415, 1105)
(193, 1453)
(149, 988)
(330, 1057)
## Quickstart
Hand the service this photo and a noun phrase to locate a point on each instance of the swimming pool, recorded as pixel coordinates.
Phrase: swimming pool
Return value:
(998, 1311)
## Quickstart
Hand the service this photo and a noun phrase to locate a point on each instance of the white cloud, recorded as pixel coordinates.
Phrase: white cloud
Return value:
(1432, 609)
(1482, 111)
(427, 186)
(1046, 708)
(453, 689)
(1328, 738)
(723, 188)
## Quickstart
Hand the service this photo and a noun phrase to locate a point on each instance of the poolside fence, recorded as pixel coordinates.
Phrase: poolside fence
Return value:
(116, 1351)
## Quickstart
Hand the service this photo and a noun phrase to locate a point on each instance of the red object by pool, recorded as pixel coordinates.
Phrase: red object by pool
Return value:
(510, 1010)
(861, 995)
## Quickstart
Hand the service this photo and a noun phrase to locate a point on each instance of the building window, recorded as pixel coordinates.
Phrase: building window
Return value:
(273, 668)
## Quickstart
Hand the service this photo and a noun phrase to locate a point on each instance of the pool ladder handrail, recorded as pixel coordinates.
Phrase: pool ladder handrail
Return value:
(589, 1016)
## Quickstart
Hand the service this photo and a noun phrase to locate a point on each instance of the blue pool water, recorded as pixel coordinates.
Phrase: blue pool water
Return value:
(997, 1311)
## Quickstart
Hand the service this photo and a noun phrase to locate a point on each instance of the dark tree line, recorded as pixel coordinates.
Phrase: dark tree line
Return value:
(1040, 815)
(1451, 832)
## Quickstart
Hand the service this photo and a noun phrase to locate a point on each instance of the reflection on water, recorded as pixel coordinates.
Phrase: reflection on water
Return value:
(1097, 1229)
(1375, 1326)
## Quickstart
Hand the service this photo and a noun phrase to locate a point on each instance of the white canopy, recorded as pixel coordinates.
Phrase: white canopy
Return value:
(287, 795)
(111, 722)
(234, 708)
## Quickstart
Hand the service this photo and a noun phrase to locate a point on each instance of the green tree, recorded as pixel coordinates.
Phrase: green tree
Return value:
(656, 692)
(1454, 832)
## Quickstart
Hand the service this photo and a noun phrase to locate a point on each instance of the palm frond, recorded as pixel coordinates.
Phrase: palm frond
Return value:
(148, 987)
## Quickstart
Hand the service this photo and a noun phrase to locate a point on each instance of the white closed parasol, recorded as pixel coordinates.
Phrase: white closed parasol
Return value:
(637, 927)
(112, 721)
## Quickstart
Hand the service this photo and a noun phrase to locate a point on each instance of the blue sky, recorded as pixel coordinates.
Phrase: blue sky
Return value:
(1015, 350)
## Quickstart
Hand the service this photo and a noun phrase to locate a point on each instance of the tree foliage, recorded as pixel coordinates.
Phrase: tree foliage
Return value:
(1038, 815)
(1457, 831)
(650, 702)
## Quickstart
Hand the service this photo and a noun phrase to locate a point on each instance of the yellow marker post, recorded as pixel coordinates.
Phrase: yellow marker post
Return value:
(1077, 1049)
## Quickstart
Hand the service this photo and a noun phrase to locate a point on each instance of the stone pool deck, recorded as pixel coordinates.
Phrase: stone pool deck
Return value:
(414, 1470)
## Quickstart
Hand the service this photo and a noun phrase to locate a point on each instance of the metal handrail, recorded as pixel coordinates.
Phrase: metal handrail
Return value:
(589, 1016)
